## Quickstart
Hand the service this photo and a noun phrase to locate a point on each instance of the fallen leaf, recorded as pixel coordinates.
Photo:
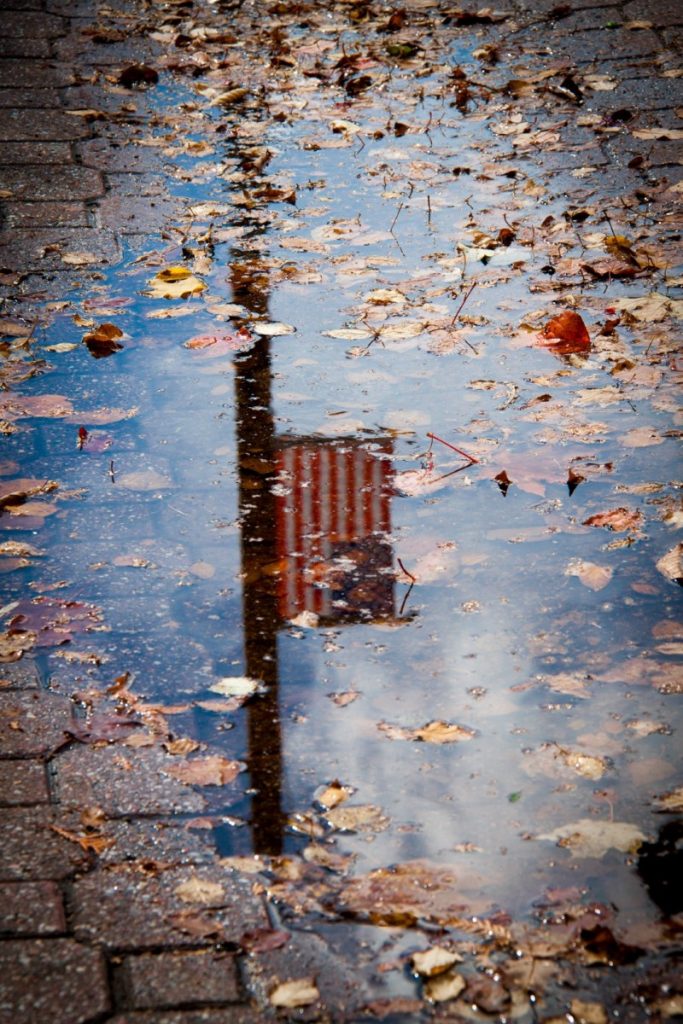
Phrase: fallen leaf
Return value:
(406, 893)
(272, 330)
(567, 332)
(652, 308)
(181, 746)
(207, 771)
(670, 803)
(617, 519)
(236, 686)
(263, 940)
(444, 987)
(90, 843)
(361, 818)
(291, 994)
(103, 341)
(588, 1013)
(197, 890)
(432, 732)
(434, 960)
(671, 564)
(174, 283)
(332, 795)
(590, 838)
(593, 576)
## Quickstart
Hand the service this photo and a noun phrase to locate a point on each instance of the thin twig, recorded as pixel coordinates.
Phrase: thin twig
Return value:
(460, 307)
(408, 574)
(400, 207)
(435, 437)
(111, 472)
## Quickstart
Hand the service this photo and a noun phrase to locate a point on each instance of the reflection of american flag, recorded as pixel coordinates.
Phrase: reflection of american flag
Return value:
(333, 514)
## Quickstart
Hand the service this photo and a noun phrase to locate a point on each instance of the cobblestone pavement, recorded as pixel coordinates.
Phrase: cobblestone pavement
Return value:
(87, 935)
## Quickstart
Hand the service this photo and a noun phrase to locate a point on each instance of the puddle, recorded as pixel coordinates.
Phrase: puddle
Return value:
(278, 508)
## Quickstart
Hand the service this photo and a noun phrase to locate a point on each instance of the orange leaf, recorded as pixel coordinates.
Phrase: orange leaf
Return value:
(569, 330)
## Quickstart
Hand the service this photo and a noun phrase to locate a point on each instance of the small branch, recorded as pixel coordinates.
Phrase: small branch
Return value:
(400, 207)
(460, 307)
(408, 574)
(435, 437)
(111, 472)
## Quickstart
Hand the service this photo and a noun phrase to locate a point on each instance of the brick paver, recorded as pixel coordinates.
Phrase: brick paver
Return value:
(23, 782)
(31, 908)
(51, 980)
(174, 979)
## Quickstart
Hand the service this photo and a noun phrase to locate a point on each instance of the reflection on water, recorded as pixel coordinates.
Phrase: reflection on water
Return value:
(251, 525)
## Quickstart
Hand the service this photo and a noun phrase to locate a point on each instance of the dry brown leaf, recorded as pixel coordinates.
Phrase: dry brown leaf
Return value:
(434, 960)
(291, 994)
(593, 576)
(206, 771)
(360, 818)
(591, 838)
(432, 732)
(181, 746)
(617, 519)
(671, 564)
(670, 803)
(197, 890)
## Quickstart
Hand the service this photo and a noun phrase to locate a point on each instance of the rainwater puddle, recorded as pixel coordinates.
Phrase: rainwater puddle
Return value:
(436, 630)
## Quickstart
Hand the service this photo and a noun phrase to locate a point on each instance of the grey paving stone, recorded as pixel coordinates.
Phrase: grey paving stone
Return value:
(20, 99)
(49, 215)
(130, 215)
(42, 249)
(36, 152)
(661, 13)
(176, 979)
(34, 24)
(20, 675)
(133, 907)
(32, 723)
(23, 783)
(20, 125)
(22, 46)
(51, 980)
(18, 73)
(31, 850)
(122, 781)
(31, 908)
(43, 185)
(226, 1015)
(111, 156)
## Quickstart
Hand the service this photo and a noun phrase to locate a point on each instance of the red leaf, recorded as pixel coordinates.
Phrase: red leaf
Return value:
(569, 330)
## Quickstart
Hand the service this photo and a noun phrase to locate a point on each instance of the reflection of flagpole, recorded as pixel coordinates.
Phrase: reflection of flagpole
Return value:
(256, 472)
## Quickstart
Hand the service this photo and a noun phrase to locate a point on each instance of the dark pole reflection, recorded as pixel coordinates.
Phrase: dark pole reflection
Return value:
(256, 472)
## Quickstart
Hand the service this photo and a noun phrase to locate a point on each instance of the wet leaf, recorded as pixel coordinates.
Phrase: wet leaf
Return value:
(593, 576)
(432, 732)
(198, 890)
(272, 330)
(14, 643)
(652, 308)
(206, 771)
(670, 803)
(90, 843)
(138, 74)
(103, 341)
(360, 818)
(434, 960)
(617, 519)
(332, 795)
(404, 894)
(671, 564)
(567, 333)
(590, 838)
(237, 686)
(174, 283)
(263, 940)
(444, 987)
(181, 746)
(588, 1013)
(291, 994)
